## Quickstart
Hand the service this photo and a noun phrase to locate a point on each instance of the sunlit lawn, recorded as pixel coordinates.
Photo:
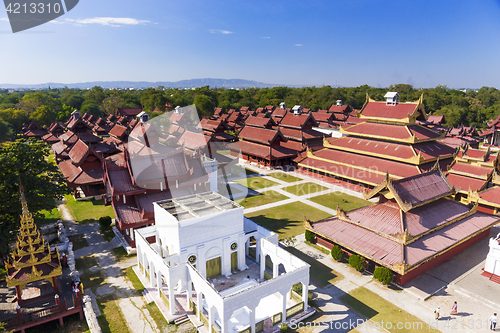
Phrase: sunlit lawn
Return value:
(345, 201)
(88, 210)
(286, 177)
(260, 199)
(48, 216)
(375, 308)
(304, 188)
(256, 183)
(287, 220)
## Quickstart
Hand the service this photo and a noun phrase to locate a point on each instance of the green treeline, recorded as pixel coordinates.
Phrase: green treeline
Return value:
(46, 106)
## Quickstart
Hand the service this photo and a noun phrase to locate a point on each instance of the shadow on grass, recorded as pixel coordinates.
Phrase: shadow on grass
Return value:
(358, 306)
(321, 275)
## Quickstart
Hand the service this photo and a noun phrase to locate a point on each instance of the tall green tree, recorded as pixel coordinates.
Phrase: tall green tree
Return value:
(25, 161)
(44, 116)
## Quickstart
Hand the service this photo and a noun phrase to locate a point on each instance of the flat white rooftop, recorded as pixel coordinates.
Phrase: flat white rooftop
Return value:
(197, 205)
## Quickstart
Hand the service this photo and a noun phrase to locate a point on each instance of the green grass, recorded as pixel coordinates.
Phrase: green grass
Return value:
(48, 216)
(321, 275)
(345, 201)
(157, 316)
(284, 177)
(107, 233)
(88, 211)
(377, 309)
(132, 277)
(304, 188)
(262, 199)
(121, 254)
(287, 220)
(79, 241)
(255, 183)
(111, 319)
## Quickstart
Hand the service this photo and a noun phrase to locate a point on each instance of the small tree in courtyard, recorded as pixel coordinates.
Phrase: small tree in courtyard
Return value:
(357, 262)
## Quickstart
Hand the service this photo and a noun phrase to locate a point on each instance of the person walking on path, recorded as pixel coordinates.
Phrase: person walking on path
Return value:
(454, 309)
(437, 313)
(493, 320)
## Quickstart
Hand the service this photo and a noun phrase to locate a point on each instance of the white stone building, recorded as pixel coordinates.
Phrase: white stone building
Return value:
(492, 264)
(206, 257)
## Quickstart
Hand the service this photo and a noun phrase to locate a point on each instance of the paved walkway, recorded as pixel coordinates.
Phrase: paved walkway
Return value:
(131, 304)
(331, 188)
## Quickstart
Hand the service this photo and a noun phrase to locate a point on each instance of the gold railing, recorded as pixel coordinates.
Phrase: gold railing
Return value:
(294, 309)
(164, 298)
(277, 318)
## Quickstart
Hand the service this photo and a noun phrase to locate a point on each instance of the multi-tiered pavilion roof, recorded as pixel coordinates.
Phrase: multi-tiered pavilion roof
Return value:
(388, 139)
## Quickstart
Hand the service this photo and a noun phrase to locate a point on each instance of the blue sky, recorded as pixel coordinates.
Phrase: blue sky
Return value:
(349, 43)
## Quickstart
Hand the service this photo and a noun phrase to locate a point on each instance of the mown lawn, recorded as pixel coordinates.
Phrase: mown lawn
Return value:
(256, 183)
(88, 211)
(111, 319)
(48, 216)
(375, 308)
(261, 199)
(121, 254)
(345, 201)
(287, 220)
(321, 275)
(132, 277)
(304, 188)
(286, 177)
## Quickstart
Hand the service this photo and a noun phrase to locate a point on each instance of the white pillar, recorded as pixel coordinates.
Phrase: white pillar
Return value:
(305, 294)
(283, 310)
(262, 266)
(252, 320)
(171, 297)
(200, 305)
(275, 270)
(210, 318)
(189, 291)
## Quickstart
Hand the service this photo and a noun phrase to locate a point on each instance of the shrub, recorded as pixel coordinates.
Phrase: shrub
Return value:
(105, 221)
(383, 274)
(310, 236)
(337, 253)
(284, 327)
(357, 262)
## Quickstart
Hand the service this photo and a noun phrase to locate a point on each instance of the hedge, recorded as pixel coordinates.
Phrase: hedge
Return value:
(383, 274)
(337, 253)
(357, 262)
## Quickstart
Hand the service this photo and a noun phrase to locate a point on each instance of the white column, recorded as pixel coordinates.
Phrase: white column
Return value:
(283, 310)
(171, 297)
(210, 318)
(200, 305)
(275, 270)
(225, 322)
(305, 292)
(189, 291)
(252, 319)
(262, 266)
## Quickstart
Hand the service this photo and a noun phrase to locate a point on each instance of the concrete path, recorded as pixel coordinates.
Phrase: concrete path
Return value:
(131, 304)
(475, 295)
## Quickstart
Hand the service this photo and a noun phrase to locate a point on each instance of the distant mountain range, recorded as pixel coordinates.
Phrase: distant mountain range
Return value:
(213, 83)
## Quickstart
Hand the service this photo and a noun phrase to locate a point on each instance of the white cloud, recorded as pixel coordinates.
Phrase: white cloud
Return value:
(110, 21)
(298, 44)
(218, 31)
(267, 37)
(4, 19)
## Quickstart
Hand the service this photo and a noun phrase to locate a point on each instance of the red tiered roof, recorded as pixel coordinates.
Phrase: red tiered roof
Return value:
(382, 110)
